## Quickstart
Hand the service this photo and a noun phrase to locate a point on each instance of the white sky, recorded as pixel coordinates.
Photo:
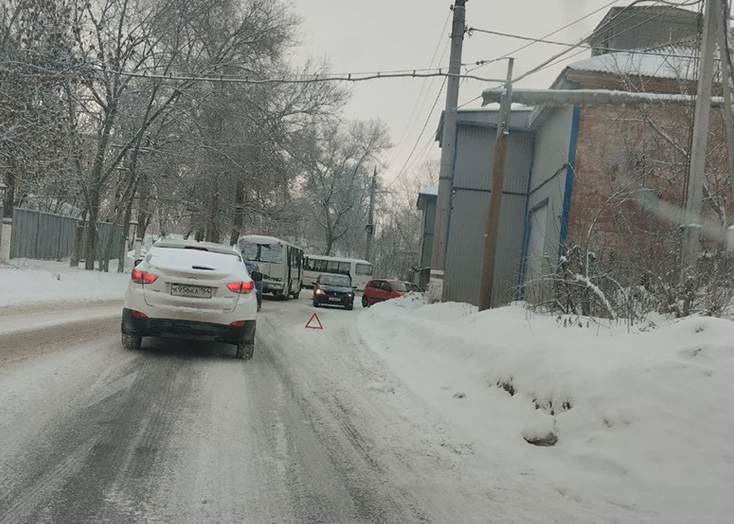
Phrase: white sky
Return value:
(373, 35)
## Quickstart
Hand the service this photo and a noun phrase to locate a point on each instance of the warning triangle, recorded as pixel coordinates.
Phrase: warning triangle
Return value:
(314, 322)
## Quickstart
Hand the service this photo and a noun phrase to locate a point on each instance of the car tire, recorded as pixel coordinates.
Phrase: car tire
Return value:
(350, 307)
(316, 304)
(131, 341)
(286, 294)
(245, 350)
(297, 293)
(365, 302)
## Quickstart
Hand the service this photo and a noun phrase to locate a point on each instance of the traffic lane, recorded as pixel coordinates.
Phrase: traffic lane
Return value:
(428, 469)
(181, 432)
(24, 337)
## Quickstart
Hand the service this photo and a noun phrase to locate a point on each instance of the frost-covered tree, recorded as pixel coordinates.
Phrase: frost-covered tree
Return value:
(338, 162)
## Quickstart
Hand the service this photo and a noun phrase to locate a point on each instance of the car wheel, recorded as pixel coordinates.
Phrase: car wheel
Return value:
(350, 307)
(315, 303)
(297, 293)
(131, 342)
(365, 302)
(245, 351)
(286, 294)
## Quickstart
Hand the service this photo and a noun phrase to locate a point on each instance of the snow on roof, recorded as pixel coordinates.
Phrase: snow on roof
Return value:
(669, 62)
(194, 244)
(495, 109)
(430, 191)
(339, 259)
(262, 239)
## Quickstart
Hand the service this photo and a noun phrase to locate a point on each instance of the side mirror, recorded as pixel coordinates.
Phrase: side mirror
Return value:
(256, 276)
(138, 261)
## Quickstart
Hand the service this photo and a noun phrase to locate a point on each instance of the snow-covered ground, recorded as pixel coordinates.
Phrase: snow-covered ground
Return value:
(643, 418)
(426, 408)
(26, 282)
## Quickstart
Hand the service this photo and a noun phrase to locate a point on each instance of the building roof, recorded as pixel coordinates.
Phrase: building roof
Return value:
(430, 191)
(672, 62)
(625, 18)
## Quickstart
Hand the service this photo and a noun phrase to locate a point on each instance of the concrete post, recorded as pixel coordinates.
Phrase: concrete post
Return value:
(5, 235)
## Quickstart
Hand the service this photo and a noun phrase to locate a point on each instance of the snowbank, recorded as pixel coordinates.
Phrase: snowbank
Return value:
(28, 282)
(644, 420)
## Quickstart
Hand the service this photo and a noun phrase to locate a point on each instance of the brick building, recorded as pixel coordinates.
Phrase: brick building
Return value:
(608, 179)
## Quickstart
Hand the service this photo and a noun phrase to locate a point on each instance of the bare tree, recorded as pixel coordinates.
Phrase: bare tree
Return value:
(338, 164)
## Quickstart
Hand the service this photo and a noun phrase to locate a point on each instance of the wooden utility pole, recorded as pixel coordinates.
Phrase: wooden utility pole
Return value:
(370, 228)
(691, 221)
(436, 289)
(495, 202)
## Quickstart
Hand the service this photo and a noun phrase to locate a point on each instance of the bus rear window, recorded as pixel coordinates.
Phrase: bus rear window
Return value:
(272, 253)
(364, 269)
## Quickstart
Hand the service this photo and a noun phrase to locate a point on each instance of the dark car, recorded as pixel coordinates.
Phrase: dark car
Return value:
(335, 290)
(253, 267)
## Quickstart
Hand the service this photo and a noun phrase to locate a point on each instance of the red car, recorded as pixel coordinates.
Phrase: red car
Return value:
(381, 290)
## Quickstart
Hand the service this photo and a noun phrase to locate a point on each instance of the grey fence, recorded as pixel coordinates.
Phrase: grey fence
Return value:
(51, 237)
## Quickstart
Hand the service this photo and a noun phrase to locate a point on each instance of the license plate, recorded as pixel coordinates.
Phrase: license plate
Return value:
(183, 290)
(335, 299)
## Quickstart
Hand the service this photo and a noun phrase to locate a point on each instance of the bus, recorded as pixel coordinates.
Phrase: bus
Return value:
(280, 262)
(360, 271)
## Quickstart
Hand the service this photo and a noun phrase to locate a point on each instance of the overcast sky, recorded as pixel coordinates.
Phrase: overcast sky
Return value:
(372, 35)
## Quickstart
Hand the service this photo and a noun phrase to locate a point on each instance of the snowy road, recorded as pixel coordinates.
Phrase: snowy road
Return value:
(313, 429)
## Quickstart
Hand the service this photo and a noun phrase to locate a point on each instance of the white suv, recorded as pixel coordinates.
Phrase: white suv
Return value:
(192, 289)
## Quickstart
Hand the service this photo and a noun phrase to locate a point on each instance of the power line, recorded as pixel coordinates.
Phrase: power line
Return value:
(420, 100)
(408, 166)
(304, 79)
(423, 130)
(552, 61)
(584, 46)
(483, 63)
(581, 43)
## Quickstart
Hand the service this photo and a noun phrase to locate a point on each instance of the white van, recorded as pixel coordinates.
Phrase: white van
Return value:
(360, 271)
(280, 262)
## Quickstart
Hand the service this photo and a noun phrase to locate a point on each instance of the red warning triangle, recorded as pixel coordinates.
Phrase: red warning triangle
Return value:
(314, 322)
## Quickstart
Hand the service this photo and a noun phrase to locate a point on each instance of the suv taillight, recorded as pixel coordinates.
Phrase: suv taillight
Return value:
(243, 288)
(142, 277)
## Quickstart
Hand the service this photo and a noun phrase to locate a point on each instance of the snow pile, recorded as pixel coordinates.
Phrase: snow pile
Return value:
(540, 430)
(27, 282)
(644, 422)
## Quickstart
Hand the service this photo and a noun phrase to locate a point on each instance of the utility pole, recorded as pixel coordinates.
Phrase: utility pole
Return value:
(436, 288)
(726, 77)
(691, 220)
(370, 228)
(495, 201)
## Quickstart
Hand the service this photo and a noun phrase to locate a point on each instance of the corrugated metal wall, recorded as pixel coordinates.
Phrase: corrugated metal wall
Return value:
(472, 182)
(429, 222)
(548, 180)
(51, 237)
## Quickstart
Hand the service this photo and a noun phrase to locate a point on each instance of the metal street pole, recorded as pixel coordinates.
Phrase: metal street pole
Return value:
(436, 289)
(370, 228)
(691, 226)
(498, 181)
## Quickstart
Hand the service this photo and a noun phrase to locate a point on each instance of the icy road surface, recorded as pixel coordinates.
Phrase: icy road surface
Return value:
(313, 429)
